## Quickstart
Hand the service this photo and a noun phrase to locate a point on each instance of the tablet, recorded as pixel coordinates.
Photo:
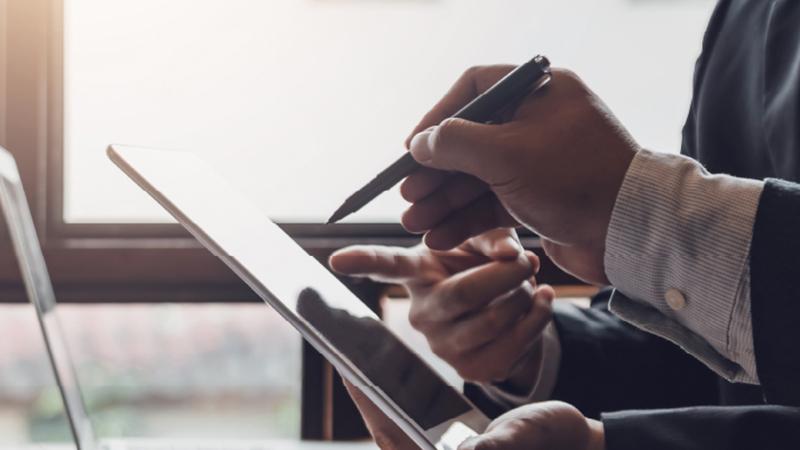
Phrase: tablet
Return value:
(306, 294)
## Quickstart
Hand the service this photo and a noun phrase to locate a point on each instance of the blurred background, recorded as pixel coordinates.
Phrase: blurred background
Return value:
(299, 102)
(170, 370)
(298, 87)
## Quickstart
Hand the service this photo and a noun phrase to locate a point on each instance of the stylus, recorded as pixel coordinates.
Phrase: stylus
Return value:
(520, 82)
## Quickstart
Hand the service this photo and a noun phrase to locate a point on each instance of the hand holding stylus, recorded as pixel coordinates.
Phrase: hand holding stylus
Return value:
(555, 167)
(488, 105)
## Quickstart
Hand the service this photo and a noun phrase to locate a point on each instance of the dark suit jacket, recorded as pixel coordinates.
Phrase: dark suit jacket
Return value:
(745, 121)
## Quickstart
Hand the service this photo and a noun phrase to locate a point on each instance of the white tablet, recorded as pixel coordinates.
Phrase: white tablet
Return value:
(306, 294)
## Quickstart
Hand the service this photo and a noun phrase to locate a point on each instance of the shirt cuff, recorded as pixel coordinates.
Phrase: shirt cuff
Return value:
(677, 247)
(545, 381)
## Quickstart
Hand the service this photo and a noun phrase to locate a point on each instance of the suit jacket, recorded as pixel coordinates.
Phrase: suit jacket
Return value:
(745, 121)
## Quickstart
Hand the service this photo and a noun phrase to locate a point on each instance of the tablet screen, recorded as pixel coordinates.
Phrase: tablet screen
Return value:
(385, 360)
(274, 264)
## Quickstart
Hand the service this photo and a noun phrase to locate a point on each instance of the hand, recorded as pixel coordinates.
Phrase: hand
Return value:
(478, 305)
(545, 426)
(540, 426)
(387, 435)
(555, 167)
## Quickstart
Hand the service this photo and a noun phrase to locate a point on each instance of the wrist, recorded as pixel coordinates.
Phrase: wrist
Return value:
(597, 435)
(525, 375)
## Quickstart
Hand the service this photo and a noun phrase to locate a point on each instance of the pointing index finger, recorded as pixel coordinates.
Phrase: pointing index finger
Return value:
(383, 264)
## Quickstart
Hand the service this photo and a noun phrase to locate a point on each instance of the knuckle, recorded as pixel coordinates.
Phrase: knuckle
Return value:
(444, 134)
(566, 74)
(461, 344)
(460, 292)
(407, 188)
(492, 322)
(416, 319)
(472, 72)
(572, 80)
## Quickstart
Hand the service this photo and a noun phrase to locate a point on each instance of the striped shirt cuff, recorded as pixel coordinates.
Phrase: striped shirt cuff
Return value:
(677, 250)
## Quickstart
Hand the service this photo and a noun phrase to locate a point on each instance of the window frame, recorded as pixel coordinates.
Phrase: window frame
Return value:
(130, 262)
(120, 261)
(123, 262)
(112, 257)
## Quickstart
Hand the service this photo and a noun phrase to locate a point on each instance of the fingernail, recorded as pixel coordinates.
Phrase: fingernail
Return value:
(420, 146)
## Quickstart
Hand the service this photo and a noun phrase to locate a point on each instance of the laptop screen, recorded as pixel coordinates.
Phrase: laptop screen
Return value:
(40, 291)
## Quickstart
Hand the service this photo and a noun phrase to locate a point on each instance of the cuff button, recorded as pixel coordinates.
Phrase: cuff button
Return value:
(675, 299)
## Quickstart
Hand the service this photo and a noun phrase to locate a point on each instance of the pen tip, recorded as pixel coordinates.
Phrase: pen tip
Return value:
(337, 216)
(340, 214)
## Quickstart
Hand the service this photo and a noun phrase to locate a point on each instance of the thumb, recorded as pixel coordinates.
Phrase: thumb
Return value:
(487, 441)
(458, 145)
(385, 432)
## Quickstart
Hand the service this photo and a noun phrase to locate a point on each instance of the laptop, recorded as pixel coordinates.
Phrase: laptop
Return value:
(302, 290)
(40, 290)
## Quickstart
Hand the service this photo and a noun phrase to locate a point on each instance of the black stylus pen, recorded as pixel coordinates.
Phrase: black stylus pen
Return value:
(520, 82)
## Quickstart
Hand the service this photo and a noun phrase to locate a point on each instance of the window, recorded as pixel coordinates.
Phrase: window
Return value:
(300, 102)
(306, 98)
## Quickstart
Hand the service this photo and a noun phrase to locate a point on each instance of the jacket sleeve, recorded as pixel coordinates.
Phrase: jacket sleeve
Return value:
(608, 365)
(775, 291)
(775, 248)
(705, 428)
